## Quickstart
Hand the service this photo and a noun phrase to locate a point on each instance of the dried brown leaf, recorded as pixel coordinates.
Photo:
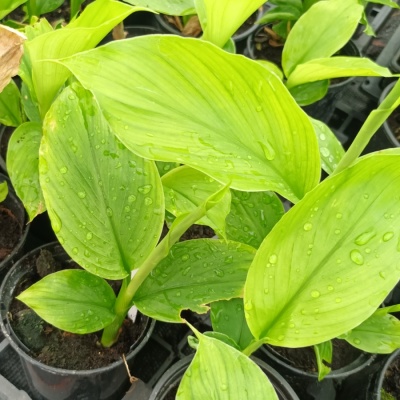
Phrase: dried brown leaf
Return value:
(11, 51)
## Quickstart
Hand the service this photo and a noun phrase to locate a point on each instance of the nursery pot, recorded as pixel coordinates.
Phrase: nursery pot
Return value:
(168, 384)
(388, 135)
(47, 382)
(340, 384)
(389, 373)
(13, 219)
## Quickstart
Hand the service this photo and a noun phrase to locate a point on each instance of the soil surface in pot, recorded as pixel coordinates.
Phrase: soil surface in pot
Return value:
(394, 123)
(304, 358)
(10, 232)
(61, 349)
(391, 383)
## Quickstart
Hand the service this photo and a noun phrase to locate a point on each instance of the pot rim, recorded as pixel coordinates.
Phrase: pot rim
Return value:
(8, 332)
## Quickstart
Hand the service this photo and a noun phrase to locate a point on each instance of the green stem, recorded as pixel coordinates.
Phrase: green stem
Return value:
(125, 296)
(31, 7)
(375, 119)
(252, 347)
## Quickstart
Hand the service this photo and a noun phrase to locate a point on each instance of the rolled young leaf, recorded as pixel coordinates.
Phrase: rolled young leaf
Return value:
(303, 286)
(23, 166)
(186, 188)
(195, 273)
(72, 300)
(184, 100)
(320, 32)
(218, 371)
(105, 203)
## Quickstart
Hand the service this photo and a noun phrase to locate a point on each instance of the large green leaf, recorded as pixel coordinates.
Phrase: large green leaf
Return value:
(23, 166)
(170, 7)
(72, 300)
(10, 105)
(252, 216)
(335, 67)
(184, 100)
(227, 316)
(83, 33)
(46, 6)
(218, 371)
(9, 5)
(380, 333)
(331, 260)
(105, 203)
(186, 188)
(224, 17)
(195, 273)
(320, 32)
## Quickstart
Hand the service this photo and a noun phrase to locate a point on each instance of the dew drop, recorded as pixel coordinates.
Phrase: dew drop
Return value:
(266, 291)
(357, 257)
(148, 201)
(324, 151)
(75, 250)
(365, 237)
(387, 236)
(330, 288)
(248, 306)
(281, 337)
(224, 387)
(131, 198)
(145, 189)
(315, 294)
(339, 215)
(81, 195)
(337, 231)
(273, 259)
(338, 300)
(63, 170)
(109, 212)
(357, 341)
(382, 274)
(307, 226)
(185, 257)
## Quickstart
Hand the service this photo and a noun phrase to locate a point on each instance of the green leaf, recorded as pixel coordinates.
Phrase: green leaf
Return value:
(228, 317)
(10, 105)
(308, 40)
(220, 113)
(229, 375)
(271, 67)
(186, 188)
(195, 273)
(323, 352)
(84, 33)
(105, 203)
(330, 148)
(310, 92)
(380, 333)
(9, 5)
(335, 67)
(23, 166)
(303, 286)
(63, 300)
(252, 216)
(30, 104)
(224, 17)
(46, 6)
(3, 191)
(222, 337)
(389, 3)
(279, 13)
(170, 7)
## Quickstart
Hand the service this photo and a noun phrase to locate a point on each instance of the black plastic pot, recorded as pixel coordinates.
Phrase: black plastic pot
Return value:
(239, 37)
(376, 392)
(384, 138)
(342, 384)
(13, 204)
(52, 383)
(171, 379)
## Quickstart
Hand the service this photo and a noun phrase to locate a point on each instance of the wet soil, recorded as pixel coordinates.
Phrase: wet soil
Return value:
(10, 232)
(304, 358)
(391, 383)
(62, 349)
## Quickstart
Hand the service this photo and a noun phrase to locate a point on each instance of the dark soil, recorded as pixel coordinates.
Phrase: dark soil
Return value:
(391, 383)
(304, 358)
(10, 232)
(62, 349)
(394, 123)
(266, 46)
(4, 139)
